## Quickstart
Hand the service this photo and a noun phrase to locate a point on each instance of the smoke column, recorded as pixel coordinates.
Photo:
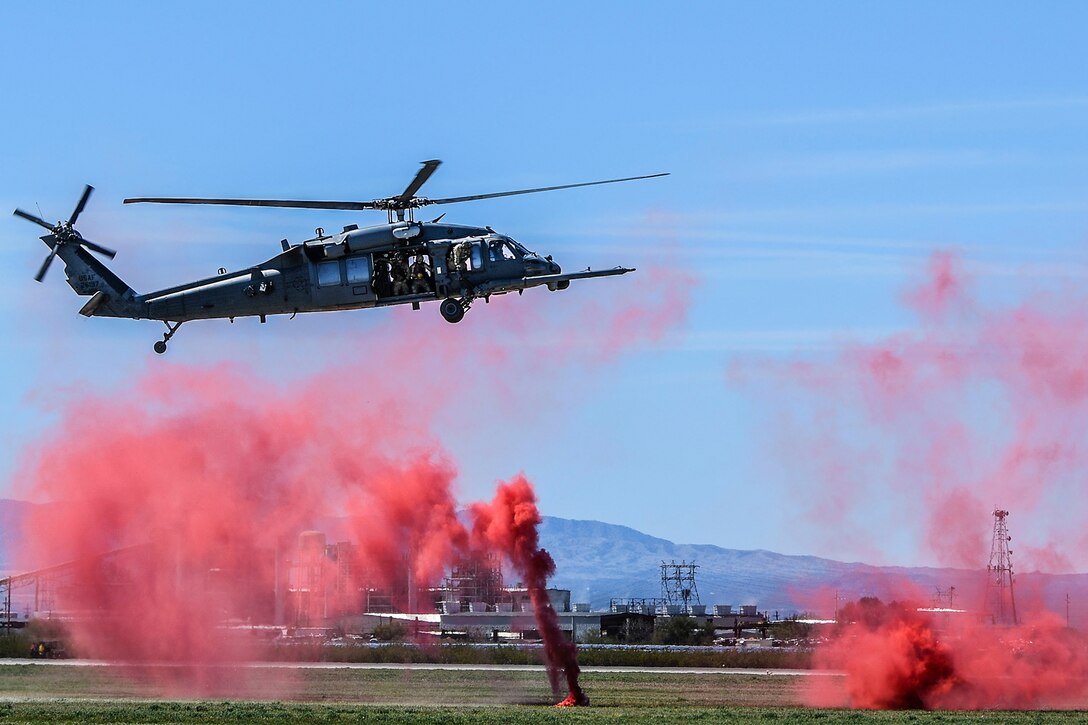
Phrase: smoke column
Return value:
(210, 474)
(897, 657)
(924, 432)
(509, 524)
(920, 435)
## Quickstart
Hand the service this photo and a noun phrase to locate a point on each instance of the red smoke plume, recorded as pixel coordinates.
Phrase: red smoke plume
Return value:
(891, 655)
(897, 657)
(222, 483)
(919, 436)
(509, 524)
(976, 406)
(211, 474)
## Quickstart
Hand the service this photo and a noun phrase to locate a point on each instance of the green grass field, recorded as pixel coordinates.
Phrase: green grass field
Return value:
(39, 694)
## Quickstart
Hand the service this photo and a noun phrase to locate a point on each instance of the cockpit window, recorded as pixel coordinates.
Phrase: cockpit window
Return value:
(502, 250)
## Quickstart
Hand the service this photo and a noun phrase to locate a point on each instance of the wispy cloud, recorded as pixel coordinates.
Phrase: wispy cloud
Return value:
(890, 210)
(933, 109)
(779, 340)
(877, 161)
(719, 252)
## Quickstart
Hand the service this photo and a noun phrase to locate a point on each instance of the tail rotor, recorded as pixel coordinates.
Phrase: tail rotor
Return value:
(65, 233)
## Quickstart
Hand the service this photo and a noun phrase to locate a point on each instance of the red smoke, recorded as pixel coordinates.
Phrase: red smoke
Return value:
(221, 484)
(897, 657)
(924, 432)
(212, 474)
(509, 524)
(916, 438)
(891, 656)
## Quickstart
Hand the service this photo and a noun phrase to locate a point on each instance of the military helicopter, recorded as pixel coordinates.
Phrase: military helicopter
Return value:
(401, 262)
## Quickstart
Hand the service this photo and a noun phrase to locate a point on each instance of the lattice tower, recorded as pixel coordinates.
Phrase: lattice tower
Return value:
(678, 583)
(1000, 603)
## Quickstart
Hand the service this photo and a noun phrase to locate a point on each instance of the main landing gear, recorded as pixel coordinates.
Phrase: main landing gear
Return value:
(453, 310)
(160, 346)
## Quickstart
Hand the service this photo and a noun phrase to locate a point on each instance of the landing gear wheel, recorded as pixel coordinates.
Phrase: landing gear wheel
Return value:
(160, 346)
(452, 310)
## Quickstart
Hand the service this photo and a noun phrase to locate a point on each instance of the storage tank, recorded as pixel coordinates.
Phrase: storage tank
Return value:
(581, 607)
(723, 610)
(697, 610)
(560, 599)
(748, 610)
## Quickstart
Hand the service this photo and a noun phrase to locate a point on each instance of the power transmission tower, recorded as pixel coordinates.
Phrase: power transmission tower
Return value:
(1000, 602)
(678, 583)
(943, 594)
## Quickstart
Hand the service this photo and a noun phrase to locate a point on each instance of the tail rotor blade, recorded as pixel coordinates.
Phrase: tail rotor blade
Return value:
(31, 218)
(45, 265)
(105, 251)
(82, 203)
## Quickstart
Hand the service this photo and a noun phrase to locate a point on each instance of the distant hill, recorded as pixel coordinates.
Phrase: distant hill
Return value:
(599, 561)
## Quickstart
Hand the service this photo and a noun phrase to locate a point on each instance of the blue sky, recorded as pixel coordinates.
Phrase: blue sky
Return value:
(818, 153)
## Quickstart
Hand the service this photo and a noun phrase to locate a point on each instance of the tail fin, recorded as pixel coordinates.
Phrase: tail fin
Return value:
(86, 275)
(110, 296)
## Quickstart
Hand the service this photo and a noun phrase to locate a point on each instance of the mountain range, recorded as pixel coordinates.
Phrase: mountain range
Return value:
(599, 561)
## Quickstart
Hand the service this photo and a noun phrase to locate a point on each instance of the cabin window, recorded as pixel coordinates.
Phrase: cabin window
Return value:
(328, 274)
(477, 255)
(358, 269)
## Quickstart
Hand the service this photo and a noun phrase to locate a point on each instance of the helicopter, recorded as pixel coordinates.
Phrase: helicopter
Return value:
(401, 262)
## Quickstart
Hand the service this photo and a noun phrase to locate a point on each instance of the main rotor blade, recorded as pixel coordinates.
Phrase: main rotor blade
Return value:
(45, 265)
(456, 199)
(31, 218)
(421, 179)
(82, 203)
(289, 203)
(104, 251)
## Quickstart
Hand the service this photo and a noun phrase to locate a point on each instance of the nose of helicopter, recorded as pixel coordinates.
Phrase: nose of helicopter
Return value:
(536, 266)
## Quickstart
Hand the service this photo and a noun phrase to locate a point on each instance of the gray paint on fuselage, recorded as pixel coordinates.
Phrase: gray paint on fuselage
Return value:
(293, 277)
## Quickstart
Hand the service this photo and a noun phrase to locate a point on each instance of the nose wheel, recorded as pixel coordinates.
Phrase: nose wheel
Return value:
(453, 310)
(160, 346)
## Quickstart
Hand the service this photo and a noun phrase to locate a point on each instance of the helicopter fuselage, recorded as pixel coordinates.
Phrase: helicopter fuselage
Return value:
(402, 262)
(398, 263)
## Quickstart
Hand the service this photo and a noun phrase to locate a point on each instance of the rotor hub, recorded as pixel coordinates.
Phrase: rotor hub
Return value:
(64, 232)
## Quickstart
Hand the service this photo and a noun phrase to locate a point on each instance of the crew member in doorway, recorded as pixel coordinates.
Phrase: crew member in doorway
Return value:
(461, 254)
(400, 275)
(422, 279)
(382, 278)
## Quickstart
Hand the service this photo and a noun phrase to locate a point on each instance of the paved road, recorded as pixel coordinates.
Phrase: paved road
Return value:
(427, 666)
